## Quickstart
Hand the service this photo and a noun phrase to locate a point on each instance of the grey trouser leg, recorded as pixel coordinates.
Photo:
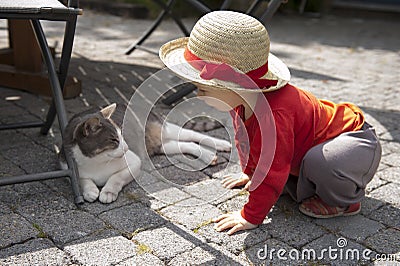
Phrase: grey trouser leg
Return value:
(339, 169)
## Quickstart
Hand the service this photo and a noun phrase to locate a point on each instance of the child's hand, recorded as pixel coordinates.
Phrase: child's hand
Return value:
(235, 180)
(233, 220)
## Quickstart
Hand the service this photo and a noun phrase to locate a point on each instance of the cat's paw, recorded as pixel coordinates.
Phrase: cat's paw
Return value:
(91, 195)
(107, 197)
(223, 145)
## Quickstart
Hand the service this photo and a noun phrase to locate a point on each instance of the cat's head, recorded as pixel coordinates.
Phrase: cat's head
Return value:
(96, 133)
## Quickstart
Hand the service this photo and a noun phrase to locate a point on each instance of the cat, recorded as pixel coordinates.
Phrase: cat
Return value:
(103, 158)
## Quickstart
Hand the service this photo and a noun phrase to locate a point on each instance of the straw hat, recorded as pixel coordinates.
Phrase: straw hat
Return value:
(223, 49)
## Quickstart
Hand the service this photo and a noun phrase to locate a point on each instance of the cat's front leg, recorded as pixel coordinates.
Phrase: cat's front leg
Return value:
(89, 188)
(117, 181)
(114, 185)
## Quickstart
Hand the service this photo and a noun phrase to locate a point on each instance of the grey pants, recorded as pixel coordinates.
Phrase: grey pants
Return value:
(339, 169)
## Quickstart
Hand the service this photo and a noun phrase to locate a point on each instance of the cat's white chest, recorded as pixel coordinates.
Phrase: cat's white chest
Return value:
(98, 168)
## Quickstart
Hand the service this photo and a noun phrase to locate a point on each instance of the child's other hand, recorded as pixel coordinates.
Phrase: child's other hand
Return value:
(233, 220)
(235, 180)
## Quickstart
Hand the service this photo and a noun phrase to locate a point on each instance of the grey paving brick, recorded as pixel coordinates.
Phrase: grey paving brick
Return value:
(164, 242)
(164, 194)
(36, 158)
(128, 219)
(392, 159)
(191, 212)
(146, 179)
(386, 241)
(237, 242)
(142, 259)
(8, 168)
(181, 177)
(391, 174)
(369, 205)
(375, 183)
(207, 255)
(355, 227)
(64, 227)
(12, 138)
(211, 191)
(37, 205)
(230, 168)
(34, 252)
(103, 248)
(15, 229)
(298, 229)
(234, 204)
(343, 251)
(387, 215)
(386, 192)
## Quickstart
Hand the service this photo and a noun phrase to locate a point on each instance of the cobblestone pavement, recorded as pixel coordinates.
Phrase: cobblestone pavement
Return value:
(339, 58)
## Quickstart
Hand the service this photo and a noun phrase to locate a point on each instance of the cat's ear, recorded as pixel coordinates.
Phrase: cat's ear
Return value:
(108, 111)
(90, 126)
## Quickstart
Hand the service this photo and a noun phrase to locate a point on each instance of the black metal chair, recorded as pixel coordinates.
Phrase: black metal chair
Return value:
(52, 10)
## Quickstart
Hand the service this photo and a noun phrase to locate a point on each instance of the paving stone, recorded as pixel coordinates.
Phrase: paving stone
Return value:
(142, 259)
(230, 168)
(298, 229)
(355, 227)
(392, 159)
(181, 177)
(391, 174)
(8, 168)
(34, 252)
(15, 229)
(207, 255)
(387, 215)
(386, 241)
(234, 204)
(10, 139)
(13, 195)
(237, 242)
(164, 194)
(211, 191)
(103, 248)
(37, 205)
(64, 227)
(147, 179)
(389, 147)
(36, 158)
(128, 219)
(164, 242)
(191, 212)
(369, 205)
(375, 183)
(343, 251)
(386, 192)
(160, 161)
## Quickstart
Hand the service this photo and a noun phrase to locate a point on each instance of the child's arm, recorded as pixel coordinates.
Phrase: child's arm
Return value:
(265, 195)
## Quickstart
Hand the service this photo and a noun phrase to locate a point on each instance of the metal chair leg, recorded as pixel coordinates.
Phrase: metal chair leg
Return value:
(152, 28)
(58, 98)
(62, 70)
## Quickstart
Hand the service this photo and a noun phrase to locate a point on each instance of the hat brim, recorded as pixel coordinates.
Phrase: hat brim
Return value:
(172, 55)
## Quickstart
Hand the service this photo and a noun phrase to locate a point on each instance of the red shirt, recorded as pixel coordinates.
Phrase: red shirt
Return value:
(301, 121)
